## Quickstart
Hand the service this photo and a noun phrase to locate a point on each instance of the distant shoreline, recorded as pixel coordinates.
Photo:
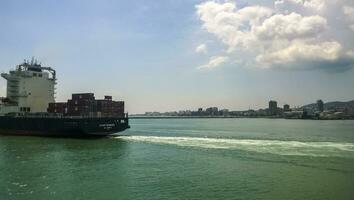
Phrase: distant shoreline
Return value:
(223, 117)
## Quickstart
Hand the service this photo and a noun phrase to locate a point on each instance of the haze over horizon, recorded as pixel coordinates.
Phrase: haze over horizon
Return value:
(176, 55)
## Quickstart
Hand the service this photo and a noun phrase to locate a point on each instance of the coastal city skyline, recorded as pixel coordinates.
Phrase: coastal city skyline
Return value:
(317, 110)
(171, 55)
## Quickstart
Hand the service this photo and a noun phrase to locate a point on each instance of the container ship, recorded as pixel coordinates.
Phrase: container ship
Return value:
(29, 107)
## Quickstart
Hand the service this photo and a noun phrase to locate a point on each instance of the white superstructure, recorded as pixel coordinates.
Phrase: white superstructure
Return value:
(30, 88)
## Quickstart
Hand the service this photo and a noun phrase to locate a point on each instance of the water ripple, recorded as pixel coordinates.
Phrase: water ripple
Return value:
(290, 148)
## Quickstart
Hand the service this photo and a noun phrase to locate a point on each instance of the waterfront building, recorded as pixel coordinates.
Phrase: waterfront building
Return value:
(224, 112)
(212, 111)
(294, 114)
(320, 106)
(273, 107)
(286, 108)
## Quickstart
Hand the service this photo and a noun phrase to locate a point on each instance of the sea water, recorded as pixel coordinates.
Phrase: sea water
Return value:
(186, 159)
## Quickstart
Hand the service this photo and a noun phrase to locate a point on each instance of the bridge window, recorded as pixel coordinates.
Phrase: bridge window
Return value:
(25, 109)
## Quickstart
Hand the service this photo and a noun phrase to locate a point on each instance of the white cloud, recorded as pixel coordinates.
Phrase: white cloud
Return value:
(227, 23)
(290, 26)
(301, 51)
(308, 4)
(275, 38)
(202, 48)
(314, 4)
(349, 13)
(214, 62)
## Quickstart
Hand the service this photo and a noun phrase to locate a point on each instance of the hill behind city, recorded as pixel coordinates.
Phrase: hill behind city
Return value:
(329, 105)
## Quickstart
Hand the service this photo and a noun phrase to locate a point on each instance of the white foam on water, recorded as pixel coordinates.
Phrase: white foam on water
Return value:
(295, 148)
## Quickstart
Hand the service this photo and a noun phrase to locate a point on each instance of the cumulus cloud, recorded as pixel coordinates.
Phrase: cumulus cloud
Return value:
(214, 62)
(349, 12)
(202, 48)
(222, 20)
(309, 4)
(326, 51)
(290, 26)
(275, 38)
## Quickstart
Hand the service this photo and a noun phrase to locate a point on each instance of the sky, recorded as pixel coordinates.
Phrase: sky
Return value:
(167, 55)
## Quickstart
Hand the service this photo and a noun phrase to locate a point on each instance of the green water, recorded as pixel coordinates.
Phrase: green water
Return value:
(186, 159)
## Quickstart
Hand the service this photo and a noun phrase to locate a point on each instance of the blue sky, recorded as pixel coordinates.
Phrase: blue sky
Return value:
(145, 52)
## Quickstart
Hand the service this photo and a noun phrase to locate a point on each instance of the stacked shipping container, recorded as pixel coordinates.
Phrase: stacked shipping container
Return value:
(85, 104)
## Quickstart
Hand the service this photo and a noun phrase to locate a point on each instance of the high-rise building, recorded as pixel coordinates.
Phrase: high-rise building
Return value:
(286, 108)
(273, 107)
(212, 111)
(320, 106)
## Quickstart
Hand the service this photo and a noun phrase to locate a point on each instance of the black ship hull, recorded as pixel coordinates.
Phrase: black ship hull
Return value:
(62, 126)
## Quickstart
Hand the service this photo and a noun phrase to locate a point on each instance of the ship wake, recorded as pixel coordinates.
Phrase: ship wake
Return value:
(289, 148)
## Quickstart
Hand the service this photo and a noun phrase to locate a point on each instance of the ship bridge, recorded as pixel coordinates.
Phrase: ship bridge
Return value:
(31, 86)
